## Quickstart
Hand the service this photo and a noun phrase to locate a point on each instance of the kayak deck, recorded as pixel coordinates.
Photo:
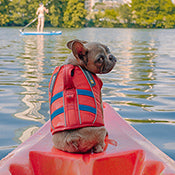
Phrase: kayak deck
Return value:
(41, 33)
(127, 152)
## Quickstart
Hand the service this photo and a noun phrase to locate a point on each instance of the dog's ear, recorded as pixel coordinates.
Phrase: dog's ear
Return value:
(69, 44)
(79, 50)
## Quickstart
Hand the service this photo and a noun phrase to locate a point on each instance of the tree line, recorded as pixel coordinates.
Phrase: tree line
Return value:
(72, 14)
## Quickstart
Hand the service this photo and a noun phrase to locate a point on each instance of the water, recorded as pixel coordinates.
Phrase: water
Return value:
(141, 87)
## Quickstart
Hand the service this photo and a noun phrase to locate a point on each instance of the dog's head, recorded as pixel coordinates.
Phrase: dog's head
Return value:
(93, 56)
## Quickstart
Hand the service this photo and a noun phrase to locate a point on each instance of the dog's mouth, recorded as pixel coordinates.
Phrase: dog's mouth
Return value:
(105, 68)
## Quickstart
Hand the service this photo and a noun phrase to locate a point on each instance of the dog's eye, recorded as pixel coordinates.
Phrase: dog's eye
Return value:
(100, 60)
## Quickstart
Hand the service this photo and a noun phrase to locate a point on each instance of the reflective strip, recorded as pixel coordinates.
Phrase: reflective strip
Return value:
(57, 112)
(87, 108)
(85, 92)
(53, 80)
(89, 77)
(51, 90)
(79, 116)
(56, 96)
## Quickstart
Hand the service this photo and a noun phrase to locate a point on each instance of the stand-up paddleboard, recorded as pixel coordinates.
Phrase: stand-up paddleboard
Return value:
(126, 152)
(41, 33)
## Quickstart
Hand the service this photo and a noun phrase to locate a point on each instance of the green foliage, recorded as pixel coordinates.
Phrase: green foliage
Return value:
(157, 13)
(111, 14)
(125, 13)
(71, 13)
(22, 11)
(4, 18)
(98, 19)
(107, 18)
(75, 14)
(56, 12)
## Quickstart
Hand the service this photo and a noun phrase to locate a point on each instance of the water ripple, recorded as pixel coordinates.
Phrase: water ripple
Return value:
(140, 87)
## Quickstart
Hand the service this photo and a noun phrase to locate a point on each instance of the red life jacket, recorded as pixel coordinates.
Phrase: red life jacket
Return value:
(74, 96)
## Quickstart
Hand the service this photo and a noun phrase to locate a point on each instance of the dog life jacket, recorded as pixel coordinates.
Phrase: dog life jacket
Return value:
(75, 99)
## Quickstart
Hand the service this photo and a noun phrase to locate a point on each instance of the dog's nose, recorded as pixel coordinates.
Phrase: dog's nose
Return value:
(112, 58)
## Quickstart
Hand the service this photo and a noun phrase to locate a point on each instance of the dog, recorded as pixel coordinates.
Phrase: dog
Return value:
(86, 60)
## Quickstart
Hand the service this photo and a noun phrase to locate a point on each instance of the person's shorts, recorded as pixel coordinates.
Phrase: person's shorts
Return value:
(40, 16)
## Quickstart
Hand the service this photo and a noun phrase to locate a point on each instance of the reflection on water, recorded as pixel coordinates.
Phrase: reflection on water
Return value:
(24, 133)
(134, 76)
(140, 88)
(138, 71)
(33, 75)
(34, 96)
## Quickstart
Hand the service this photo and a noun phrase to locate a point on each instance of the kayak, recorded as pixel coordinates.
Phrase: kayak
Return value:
(126, 152)
(41, 33)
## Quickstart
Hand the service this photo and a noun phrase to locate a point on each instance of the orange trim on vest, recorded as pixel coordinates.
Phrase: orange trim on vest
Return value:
(74, 97)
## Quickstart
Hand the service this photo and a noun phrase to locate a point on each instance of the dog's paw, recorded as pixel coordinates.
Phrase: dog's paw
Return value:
(98, 148)
(73, 142)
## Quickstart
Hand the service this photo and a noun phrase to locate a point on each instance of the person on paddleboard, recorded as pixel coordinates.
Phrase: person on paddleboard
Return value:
(40, 12)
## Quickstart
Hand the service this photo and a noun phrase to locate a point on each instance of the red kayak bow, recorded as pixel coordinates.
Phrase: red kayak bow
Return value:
(127, 152)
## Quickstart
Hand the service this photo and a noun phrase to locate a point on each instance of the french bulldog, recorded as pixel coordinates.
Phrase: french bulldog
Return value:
(97, 59)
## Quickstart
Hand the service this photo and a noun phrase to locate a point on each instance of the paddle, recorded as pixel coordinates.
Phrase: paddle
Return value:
(21, 30)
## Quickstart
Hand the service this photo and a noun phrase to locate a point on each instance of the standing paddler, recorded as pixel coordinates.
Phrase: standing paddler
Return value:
(40, 12)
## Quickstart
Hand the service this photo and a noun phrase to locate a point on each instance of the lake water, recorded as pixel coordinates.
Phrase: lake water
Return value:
(141, 88)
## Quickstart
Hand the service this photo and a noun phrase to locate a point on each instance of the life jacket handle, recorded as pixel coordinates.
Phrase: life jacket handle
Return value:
(68, 73)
